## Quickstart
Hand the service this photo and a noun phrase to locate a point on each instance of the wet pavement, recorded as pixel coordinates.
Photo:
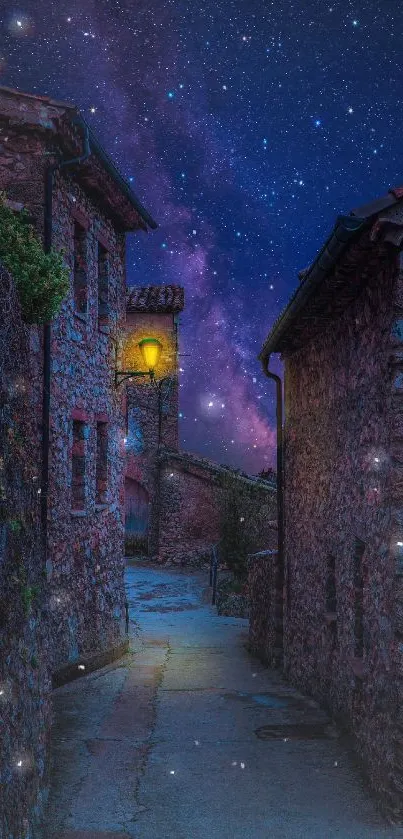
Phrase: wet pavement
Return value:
(188, 737)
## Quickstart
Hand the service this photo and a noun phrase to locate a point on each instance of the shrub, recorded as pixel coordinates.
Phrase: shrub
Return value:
(41, 278)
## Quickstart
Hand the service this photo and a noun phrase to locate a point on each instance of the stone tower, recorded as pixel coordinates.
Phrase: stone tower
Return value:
(152, 407)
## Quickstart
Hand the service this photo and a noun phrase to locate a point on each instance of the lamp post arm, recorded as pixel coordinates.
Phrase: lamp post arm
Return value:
(126, 375)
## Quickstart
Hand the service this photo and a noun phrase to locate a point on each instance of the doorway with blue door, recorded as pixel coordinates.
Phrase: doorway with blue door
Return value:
(137, 518)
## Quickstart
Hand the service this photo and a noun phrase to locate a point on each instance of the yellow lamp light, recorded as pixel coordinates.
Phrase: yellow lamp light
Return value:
(151, 351)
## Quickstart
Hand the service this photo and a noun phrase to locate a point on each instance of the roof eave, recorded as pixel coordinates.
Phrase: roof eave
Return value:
(117, 177)
(76, 118)
(344, 232)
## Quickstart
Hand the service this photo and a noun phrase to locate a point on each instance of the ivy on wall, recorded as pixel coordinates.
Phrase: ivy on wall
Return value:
(42, 280)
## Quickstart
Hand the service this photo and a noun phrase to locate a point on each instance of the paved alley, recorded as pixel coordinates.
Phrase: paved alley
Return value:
(188, 737)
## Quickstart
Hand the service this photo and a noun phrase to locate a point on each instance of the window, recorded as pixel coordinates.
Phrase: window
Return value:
(78, 466)
(103, 284)
(359, 548)
(331, 598)
(102, 463)
(80, 269)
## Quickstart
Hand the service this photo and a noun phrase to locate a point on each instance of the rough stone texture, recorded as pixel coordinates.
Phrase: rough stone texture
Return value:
(342, 641)
(152, 408)
(79, 595)
(37, 131)
(265, 603)
(174, 500)
(24, 641)
(191, 502)
(229, 602)
(85, 540)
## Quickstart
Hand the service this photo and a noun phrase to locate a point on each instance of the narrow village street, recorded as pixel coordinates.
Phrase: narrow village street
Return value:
(187, 738)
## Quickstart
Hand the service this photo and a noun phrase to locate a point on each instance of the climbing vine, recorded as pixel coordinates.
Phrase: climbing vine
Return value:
(41, 278)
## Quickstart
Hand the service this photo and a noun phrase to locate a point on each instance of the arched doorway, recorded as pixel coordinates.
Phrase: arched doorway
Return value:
(137, 507)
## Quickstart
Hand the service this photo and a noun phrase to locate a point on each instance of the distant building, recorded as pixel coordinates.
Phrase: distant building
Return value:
(341, 338)
(152, 407)
(174, 500)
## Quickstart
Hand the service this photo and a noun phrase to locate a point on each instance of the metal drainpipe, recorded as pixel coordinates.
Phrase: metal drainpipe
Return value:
(280, 485)
(47, 335)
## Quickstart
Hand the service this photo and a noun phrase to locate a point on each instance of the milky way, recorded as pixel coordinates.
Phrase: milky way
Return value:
(244, 128)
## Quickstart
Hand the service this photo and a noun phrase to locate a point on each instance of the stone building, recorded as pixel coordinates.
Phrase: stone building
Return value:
(72, 425)
(55, 167)
(192, 505)
(174, 499)
(152, 407)
(341, 339)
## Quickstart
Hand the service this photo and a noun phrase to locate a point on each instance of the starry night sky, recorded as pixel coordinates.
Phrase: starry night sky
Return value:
(244, 128)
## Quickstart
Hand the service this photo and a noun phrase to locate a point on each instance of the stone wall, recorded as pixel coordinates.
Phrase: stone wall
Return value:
(152, 411)
(22, 163)
(72, 608)
(265, 603)
(24, 638)
(191, 506)
(340, 641)
(86, 543)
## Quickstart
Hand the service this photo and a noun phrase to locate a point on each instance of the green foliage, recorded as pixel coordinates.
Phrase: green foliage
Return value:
(28, 595)
(240, 526)
(27, 591)
(41, 278)
(15, 525)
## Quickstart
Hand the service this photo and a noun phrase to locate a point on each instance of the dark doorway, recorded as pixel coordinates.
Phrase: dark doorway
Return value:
(137, 509)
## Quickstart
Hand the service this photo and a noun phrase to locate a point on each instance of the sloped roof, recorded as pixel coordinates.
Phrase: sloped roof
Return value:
(305, 302)
(95, 169)
(155, 298)
(186, 460)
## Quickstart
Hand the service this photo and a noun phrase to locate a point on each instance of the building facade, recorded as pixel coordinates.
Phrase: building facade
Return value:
(62, 604)
(152, 407)
(341, 339)
(52, 164)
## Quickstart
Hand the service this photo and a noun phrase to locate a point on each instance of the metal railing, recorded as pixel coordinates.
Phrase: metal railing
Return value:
(213, 572)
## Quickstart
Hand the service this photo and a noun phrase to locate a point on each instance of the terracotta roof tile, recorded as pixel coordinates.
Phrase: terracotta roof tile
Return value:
(155, 298)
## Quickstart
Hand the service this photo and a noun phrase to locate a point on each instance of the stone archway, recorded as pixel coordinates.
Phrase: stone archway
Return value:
(137, 517)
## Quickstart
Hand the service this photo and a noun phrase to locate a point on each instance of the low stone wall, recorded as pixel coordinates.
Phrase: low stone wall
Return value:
(191, 507)
(25, 708)
(265, 593)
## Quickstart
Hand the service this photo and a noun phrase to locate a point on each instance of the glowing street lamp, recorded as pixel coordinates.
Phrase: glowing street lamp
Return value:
(150, 349)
